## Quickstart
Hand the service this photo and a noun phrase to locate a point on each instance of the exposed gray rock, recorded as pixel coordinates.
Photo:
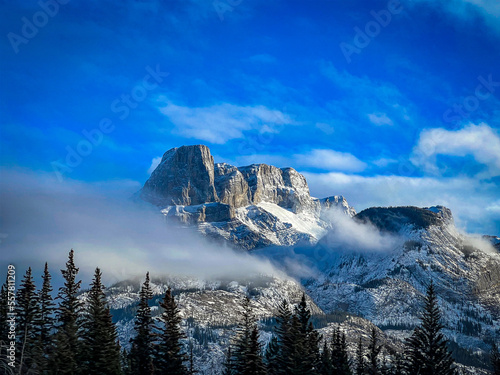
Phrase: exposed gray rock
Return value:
(188, 176)
(339, 202)
(233, 202)
(443, 212)
(232, 188)
(185, 176)
(207, 212)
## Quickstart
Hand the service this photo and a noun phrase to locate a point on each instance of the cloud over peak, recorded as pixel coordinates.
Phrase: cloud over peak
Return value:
(222, 122)
(479, 141)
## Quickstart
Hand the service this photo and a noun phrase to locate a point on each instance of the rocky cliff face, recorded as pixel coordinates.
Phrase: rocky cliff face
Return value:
(188, 176)
(185, 176)
(251, 206)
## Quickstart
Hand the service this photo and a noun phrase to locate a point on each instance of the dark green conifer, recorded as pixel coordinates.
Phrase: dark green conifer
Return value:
(427, 348)
(247, 352)
(44, 323)
(170, 355)
(374, 350)
(66, 357)
(101, 351)
(27, 308)
(141, 353)
(360, 359)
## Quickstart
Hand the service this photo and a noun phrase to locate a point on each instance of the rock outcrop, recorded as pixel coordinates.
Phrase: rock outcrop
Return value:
(187, 176)
(258, 204)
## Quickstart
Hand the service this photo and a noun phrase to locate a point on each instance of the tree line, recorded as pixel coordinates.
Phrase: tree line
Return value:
(77, 336)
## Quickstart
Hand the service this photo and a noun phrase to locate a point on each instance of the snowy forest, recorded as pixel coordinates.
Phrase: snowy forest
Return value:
(74, 333)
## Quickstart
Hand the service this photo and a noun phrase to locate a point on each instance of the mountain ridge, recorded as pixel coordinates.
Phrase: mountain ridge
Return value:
(251, 206)
(374, 264)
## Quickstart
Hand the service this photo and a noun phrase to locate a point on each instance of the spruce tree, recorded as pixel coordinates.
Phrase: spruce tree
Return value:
(374, 350)
(325, 367)
(255, 364)
(44, 323)
(100, 340)
(141, 353)
(170, 356)
(247, 355)
(285, 334)
(340, 359)
(125, 362)
(271, 356)
(427, 348)
(65, 359)
(306, 341)
(27, 300)
(360, 358)
(495, 359)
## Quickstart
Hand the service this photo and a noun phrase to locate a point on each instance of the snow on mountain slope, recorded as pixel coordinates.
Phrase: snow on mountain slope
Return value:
(386, 286)
(208, 302)
(376, 264)
(250, 207)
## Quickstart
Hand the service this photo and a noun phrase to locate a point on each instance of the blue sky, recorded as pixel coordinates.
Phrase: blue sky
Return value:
(411, 117)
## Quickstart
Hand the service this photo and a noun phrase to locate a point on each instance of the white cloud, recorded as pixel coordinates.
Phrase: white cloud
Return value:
(380, 119)
(348, 234)
(480, 141)
(42, 219)
(468, 198)
(154, 163)
(317, 158)
(222, 122)
(330, 160)
(384, 162)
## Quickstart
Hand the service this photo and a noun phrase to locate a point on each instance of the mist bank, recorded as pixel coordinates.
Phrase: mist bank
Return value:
(43, 218)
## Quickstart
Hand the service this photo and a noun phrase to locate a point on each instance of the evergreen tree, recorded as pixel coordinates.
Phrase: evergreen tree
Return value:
(325, 367)
(100, 340)
(495, 359)
(285, 337)
(271, 355)
(44, 323)
(141, 353)
(27, 299)
(374, 350)
(340, 359)
(255, 365)
(65, 359)
(428, 352)
(360, 358)
(170, 358)
(247, 357)
(306, 341)
(125, 362)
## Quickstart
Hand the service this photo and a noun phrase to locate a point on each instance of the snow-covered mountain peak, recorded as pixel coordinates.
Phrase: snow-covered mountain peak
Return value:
(251, 206)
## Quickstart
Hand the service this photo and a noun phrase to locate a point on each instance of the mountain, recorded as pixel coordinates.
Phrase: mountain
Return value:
(250, 207)
(357, 269)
